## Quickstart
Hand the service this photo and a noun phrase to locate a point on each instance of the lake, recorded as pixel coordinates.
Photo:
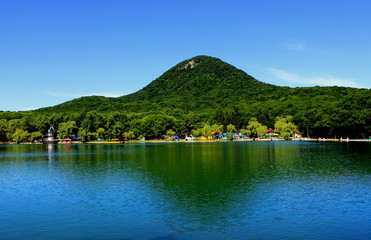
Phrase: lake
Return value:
(213, 190)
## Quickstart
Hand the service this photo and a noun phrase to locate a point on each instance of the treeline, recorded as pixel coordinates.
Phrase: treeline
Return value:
(91, 125)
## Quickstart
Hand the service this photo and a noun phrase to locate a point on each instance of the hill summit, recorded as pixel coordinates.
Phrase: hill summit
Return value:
(200, 77)
(198, 84)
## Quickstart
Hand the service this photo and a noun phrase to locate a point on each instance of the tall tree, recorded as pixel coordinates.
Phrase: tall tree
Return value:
(129, 135)
(155, 126)
(3, 130)
(20, 135)
(230, 130)
(67, 129)
(256, 129)
(36, 136)
(285, 127)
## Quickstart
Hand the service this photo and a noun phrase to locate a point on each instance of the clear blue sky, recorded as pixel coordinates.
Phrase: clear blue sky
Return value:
(55, 51)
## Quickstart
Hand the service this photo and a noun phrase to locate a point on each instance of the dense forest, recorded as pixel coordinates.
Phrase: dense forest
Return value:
(201, 91)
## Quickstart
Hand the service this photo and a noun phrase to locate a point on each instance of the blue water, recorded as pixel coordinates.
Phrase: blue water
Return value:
(232, 190)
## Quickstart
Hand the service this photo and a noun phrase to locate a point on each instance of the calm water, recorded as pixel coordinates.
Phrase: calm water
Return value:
(232, 190)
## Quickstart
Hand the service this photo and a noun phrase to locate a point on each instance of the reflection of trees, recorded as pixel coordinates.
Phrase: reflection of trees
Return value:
(203, 181)
(195, 183)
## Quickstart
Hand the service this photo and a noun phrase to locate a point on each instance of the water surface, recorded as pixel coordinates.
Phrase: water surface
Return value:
(226, 190)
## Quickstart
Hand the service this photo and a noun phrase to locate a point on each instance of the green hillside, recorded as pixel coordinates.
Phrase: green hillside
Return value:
(207, 90)
(200, 84)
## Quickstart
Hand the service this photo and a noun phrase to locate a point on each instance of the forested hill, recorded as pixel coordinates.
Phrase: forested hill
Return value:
(199, 84)
(201, 80)
(207, 90)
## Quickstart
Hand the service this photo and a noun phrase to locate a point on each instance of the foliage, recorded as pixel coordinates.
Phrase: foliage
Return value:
(255, 128)
(84, 137)
(170, 133)
(196, 132)
(285, 127)
(129, 135)
(3, 130)
(155, 126)
(20, 135)
(36, 136)
(230, 130)
(67, 129)
(100, 133)
(208, 131)
(92, 136)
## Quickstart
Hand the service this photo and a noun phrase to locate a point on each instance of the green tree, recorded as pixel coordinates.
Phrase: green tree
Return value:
(263, 115)
(216, 128)
(13, 125)
(84, 137)
(285, 127)
(100, 133)
(20, 135)
(129, 135)
(92, 136)
(36, 136)
(170, 133)
(135, 127)
(117, 130)
(91, 121)
(54, 120)
(245, 132)
(196, 132)
(230, 130)
(236, 117)
(67, 129)
(220, 116)
(207, 130)
(42, 124)
(255, 128)
(3, 130)
(155, 126)
(116, 124)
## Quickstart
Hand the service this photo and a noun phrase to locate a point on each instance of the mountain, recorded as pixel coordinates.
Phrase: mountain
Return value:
(203, 78)
(205, 85)
(206, 89)
(199, 83)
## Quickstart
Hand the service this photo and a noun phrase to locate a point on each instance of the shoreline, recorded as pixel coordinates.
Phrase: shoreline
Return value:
(235, 140)
(201, 141)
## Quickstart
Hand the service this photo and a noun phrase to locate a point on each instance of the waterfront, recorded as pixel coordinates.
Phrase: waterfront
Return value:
(217, 190)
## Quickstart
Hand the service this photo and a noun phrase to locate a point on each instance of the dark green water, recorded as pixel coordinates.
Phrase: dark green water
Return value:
(232, 190)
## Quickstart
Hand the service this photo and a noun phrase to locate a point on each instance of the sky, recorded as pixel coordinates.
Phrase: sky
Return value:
(55, 51)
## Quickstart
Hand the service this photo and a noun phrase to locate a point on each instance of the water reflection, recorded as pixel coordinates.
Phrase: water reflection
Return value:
(201, 190)
(49, 147)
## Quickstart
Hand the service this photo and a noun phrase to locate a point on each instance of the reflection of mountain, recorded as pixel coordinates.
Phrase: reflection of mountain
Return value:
(193, 181)
(199, 186)
(135, 190)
